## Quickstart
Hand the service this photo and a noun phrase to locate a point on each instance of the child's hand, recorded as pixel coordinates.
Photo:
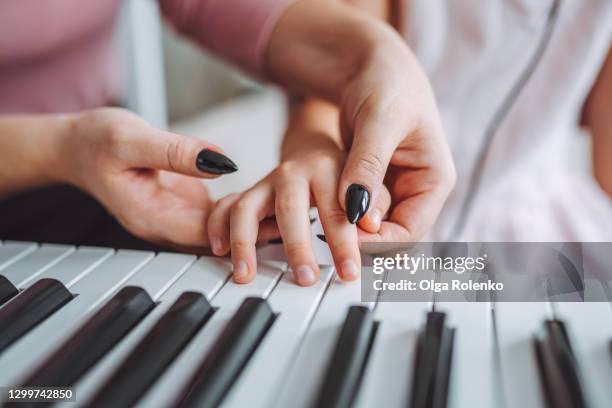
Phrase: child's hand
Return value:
(307, 177)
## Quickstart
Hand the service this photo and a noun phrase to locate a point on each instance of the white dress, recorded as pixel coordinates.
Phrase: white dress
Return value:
(475, 51)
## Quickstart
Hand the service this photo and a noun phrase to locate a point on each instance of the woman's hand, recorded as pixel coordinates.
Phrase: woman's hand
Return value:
(394, 137)
(148, 179)
(308, 175)
(390, 124)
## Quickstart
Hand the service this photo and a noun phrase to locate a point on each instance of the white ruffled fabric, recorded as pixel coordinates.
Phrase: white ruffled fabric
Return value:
(474, 51)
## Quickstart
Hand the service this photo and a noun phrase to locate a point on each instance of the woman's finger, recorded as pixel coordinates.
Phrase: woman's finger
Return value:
(219, 225)
(410, 219)
(341, 236)
(291, 207)
(246, 214)
(376, 133)
(371, 222)
(161, 150)
(186, 227)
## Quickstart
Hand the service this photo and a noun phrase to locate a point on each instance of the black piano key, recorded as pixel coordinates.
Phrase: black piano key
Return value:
(94, 339)
(155, 352)
(349, 359)
(558, 367)
(228, 355)
(7, 290)
(29, 308)
(445, 360)
(433, 363)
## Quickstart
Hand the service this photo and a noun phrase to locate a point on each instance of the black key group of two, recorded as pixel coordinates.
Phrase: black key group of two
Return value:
(431, 370)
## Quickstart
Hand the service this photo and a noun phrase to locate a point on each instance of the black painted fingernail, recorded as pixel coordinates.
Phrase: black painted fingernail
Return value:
(275, 241)
(212, 162)
(357, 202)
(322, 238)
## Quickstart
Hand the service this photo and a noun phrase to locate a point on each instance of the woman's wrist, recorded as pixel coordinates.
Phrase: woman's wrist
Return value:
(53, 160)
(318, 46)
(31, 154)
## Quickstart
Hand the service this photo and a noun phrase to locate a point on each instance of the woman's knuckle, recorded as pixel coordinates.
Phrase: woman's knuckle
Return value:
(117, 137)
(174, 155)
(371, 164)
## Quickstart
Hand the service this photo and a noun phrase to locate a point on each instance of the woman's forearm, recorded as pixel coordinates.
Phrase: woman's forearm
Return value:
(29, 146)
(318, 46)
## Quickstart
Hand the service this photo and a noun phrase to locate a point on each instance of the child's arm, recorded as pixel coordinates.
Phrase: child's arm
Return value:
(307, 176)
(598, 118)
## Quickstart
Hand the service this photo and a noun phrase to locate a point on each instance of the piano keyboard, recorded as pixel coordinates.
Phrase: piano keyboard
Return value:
(131, 328)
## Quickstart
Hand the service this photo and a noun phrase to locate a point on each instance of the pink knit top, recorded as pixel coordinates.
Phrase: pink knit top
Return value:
(58, 55)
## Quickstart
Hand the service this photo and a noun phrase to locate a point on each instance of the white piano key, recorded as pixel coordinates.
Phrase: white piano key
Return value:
(303, 379)
(11, 252)
(590, 329)
(32, 265)
(159, 274)
(474, 379)
(102, 282)
(74, 267)
(296, 307)
(388, 378)
(516, 324)
(166, 391)
(207, 275)
(93, 290)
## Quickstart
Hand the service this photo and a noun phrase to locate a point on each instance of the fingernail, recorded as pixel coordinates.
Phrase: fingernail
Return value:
(241, 270)
(215, 245)
(375, 217)
(213, 162)
(305, 275)
(349, 270)
(357, 202)
(322, 238)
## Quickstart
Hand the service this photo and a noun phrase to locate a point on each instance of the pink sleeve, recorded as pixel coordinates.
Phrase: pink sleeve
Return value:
(238, 30)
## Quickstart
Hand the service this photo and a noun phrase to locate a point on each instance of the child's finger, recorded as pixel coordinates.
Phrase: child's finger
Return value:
(341, 236)
(291, 207)
(268, 230)
(245, 217)
(218, 225)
